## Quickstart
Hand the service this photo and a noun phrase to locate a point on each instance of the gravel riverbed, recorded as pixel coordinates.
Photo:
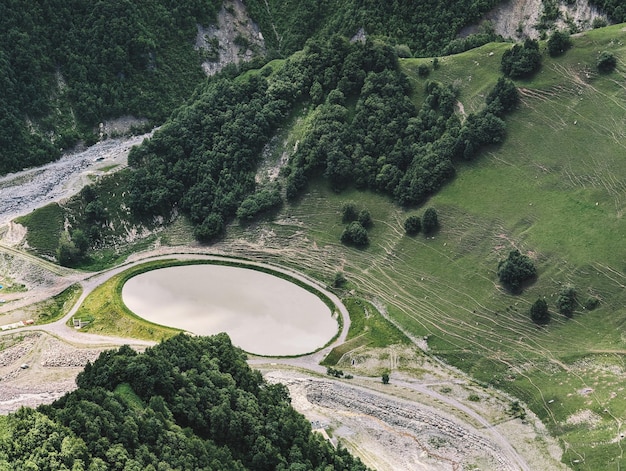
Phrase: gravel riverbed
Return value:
(24, 191)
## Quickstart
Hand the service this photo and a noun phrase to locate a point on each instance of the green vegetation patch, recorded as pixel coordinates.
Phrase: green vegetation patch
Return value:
(367, 328)
(129, 396)
(45, 226)
(109, 316)
(176, 405)
(553, 190)
(56, 307)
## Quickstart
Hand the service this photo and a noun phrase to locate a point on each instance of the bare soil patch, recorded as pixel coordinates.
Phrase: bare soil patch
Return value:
(391, 429)
(38, 369)
(517, 19)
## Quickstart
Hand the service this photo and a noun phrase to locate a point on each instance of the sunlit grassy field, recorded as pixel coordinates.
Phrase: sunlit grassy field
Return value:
(555, 190)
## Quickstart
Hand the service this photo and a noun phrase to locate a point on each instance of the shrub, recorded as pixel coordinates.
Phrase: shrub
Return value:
(598, 22)
(539, 312)
(521, 61)
(515, 270)
(402, 50)
(333, 372)
(566, 302)
(365, 218)
(516, 410)
(423, 70)
(606, 62)
(259, 203)
(81, 241)
(558, 43)
(355, 234)
(430, 221)
(67, 253)
(385, 378)
(412, 225)
(348, 212)
(210, 229)
(503, 97)
(339, 280)
(591, 303)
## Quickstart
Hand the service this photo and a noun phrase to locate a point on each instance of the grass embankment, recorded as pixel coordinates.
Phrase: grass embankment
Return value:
(4, 430)
(368, 328)
(56, 307)
(107, 314)
(119, 234)
(45, 226)
(130, 397)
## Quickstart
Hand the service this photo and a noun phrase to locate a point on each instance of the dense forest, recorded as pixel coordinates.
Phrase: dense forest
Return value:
(363, 130)
(426, 27)
(189, 403)
(67, 65)
(615, 9)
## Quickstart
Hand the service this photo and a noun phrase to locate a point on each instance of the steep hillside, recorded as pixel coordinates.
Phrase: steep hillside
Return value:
(426, 27)
(67, 66)
(518, 19)
(551, 186)
(140, 61)
(553, 190)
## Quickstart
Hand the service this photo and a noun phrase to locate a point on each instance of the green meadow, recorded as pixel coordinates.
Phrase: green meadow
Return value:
(555, 190)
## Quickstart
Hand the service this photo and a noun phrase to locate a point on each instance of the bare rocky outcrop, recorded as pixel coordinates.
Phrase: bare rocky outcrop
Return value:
(122, 126)
(517, 19)
(235, 38)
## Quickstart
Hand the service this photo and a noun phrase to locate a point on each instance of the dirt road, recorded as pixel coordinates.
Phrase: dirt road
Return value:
(446, 441)
(410, 425)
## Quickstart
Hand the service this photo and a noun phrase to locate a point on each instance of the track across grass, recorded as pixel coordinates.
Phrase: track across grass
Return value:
(555, 190)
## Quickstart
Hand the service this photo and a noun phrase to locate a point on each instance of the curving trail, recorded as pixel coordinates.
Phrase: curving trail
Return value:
(22, 192)
(308, 363)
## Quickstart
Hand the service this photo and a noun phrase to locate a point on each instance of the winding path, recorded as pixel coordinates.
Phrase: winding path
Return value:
(22, 192)
(309, 362)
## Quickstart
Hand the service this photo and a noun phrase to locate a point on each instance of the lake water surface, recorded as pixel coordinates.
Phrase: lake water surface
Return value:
(263, 314)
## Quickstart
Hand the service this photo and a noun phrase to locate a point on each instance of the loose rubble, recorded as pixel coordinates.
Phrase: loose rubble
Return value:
(38, 369)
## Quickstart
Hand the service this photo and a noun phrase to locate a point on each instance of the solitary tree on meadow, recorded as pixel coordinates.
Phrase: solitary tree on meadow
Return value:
(539, 312)
(412, 225)
(430, 221)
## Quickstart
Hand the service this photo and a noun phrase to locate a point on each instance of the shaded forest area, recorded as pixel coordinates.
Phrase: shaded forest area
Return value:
(67, 65)
(425, 26)
(615, 9)
(189, 403)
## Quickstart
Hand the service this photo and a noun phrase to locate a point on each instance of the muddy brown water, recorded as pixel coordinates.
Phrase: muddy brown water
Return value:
(263, 314)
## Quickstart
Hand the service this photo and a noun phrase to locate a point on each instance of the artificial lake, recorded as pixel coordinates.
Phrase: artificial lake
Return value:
(262, 313)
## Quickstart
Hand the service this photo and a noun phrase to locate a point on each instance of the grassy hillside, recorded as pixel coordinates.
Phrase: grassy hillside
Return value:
(554, 190)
